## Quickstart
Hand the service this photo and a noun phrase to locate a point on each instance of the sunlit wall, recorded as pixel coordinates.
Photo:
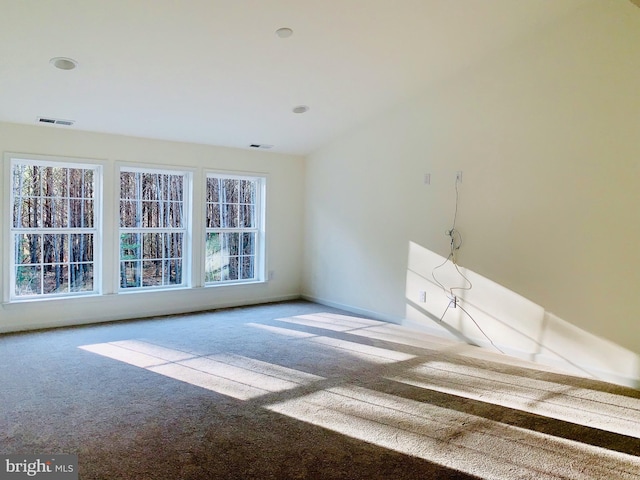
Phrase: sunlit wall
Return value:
(546, 135)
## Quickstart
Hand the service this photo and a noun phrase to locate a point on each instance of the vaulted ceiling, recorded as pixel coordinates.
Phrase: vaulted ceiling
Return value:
(215, 72)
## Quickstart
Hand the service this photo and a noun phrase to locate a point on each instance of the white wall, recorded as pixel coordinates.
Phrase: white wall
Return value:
(284, 225)
(547, 134)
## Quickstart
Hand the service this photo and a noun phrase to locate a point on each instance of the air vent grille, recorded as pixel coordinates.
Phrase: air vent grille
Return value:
(262, 146)
(55, 121)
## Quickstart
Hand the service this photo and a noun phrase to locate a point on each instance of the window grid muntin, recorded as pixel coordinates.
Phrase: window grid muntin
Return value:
(218, 201)
(135, 196)
(60, 193)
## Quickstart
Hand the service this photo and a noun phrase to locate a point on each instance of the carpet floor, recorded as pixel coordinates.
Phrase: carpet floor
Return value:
(297, 390)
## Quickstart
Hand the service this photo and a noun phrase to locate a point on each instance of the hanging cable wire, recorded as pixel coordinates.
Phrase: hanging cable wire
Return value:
(454, 245)
(478, 326)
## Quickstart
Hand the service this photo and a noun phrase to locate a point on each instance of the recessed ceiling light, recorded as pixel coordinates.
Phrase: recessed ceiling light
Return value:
(300, 109)
(63, 63)
(284, 32)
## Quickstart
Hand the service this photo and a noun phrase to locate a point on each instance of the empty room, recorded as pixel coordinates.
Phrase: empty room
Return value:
(320, 239)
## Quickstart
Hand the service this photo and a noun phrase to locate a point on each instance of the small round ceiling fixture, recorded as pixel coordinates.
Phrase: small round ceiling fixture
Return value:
(300, 109)
(63, 63)
(284, 32)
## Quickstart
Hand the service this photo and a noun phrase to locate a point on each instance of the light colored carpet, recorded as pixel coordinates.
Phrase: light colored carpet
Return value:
(299, 390)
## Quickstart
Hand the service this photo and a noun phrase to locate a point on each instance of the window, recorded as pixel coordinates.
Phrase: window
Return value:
(153, 228)
(54, 228)
(234, 229)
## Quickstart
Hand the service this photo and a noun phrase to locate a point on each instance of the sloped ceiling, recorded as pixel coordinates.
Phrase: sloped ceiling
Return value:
(215, 72)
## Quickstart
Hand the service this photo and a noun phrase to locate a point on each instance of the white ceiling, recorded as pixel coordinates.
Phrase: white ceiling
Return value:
(214, 72)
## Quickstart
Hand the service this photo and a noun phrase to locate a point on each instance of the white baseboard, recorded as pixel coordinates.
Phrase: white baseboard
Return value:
(358, 311)
(102, 315)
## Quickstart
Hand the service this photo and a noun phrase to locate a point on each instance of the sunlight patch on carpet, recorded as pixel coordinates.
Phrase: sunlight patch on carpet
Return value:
(368, 353)
(331, 321)
(602, 410)
(236, 376)
(282, 331)
(461, 441)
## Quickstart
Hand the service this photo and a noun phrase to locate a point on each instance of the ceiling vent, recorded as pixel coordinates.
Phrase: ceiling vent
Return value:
(262, 146)
(55, 121)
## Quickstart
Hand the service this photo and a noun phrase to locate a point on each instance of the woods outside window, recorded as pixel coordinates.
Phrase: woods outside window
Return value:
(153, 228)
(54, 234)
(234, 235)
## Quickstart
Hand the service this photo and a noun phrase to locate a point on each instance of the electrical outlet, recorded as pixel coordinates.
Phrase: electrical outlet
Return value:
(422, 295)
(272, 275)
(459, 176)
(427, 179)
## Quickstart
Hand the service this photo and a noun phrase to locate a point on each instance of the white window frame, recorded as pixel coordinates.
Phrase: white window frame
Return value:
(186, 229)
(12, 159)
(259, 229)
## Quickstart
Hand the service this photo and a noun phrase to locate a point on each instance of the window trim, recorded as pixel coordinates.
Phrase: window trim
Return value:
(187, 242)
(9, 266)
(261, 236)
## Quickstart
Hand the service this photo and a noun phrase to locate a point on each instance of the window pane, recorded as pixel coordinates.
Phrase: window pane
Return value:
(175, 213)
(213, 244)
(28, 280)
(28, 249)
(55, 248)
(129, 214)
(151, 245)
(213, 216)
(76, 182)
(230, 192)
(173, 245)
(27, 180)
(88, 214)
(150, 218)
(54, 181)
(80, 213)
(81, 247)
(56, 279)
(128, 184)
(213, 258)
(130, 246)
(231, 243)
(176, 187)
(149, 181)
(213, 190)
(60, 213)
(76, 208)
(28, 214)
(230, 216)
(234, 269)
(88, 184)
(151, 273)
(248, 213)
(18, 180)
(249, 243)
(247, 268)
(81, 277)
(248, 191)
(130, 274)
(172, 272)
